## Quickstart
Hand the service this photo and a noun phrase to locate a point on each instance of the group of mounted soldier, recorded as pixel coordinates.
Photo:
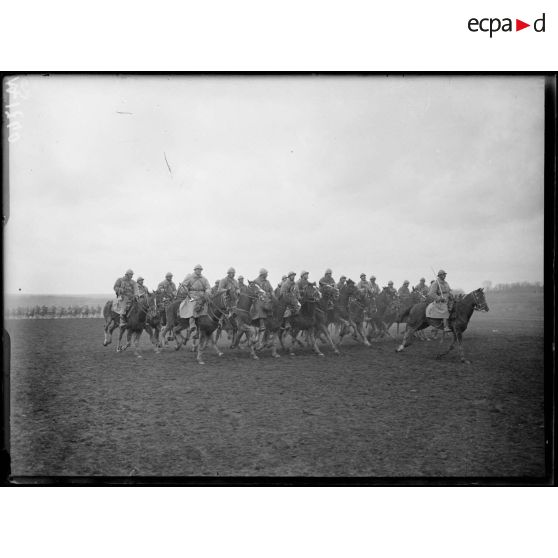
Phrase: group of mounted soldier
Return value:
(195, 290)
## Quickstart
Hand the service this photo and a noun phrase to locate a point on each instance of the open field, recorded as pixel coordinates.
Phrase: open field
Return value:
(78, 408)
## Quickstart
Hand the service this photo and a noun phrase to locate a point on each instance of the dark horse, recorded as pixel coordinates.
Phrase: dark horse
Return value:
(382, 314)
(458, 320)
(218, 307)
(311, 319)
(241, 322)
(140, 311)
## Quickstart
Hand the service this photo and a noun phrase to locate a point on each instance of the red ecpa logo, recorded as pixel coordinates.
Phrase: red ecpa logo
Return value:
(493, 25)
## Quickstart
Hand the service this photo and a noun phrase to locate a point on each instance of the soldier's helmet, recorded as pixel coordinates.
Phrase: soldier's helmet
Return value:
(198, 267)
(405, 282)
(363, 275)
(372, 277)
(231, 270)
(139, 279)
(303, 273)
(263, 271)
(168, 275)
(441, 272)
(283, 278)
(422, 279)
(240, 278)
(129, 272)
(291, 274)
(390, 283)
(342, 277)
(328, 271)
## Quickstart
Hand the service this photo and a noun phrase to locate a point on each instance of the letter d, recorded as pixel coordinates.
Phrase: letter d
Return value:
(535, 25)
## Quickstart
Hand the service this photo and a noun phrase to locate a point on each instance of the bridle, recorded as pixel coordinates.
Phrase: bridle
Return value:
(480, 306)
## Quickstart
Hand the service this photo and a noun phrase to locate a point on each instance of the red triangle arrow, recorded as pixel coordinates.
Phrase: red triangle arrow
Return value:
(519, 25)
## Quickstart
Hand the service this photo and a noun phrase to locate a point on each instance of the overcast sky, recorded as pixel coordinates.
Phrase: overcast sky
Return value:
(394, 176)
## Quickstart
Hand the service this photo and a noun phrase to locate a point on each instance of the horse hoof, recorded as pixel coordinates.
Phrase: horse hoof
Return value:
(220, 354)
(320, 354)
(201, 362)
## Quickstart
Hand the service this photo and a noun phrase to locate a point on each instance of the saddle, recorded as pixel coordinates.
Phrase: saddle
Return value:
(437, 310)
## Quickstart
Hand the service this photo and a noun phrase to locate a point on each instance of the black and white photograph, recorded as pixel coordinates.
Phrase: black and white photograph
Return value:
(276, 277)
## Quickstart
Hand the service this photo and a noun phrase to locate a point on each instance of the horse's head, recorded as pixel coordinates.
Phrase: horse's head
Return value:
(480, 300)
(329, 292)
(311, 293)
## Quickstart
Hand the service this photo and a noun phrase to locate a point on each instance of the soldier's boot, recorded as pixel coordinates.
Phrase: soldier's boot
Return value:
(193, 327)
(446, 325)
(262, 324)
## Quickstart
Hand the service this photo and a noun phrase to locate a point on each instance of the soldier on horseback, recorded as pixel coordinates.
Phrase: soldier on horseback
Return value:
(289, 291)
(404, 292)
(327, 279)
(166, 293)
(229, 283)
(302, 283)
(241, 286)
(422, 287)
(197, 288)
(125, 289)
(363, 285)
(390, 289)
(374, 287)
(342, 281)
(440, 292)
(141, 289)
(259, 309)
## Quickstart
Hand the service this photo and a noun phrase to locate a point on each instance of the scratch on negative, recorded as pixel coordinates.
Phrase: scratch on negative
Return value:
(170, 171)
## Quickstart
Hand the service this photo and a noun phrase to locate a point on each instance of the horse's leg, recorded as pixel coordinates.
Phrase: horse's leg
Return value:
(459, 336)
(407, 337)
(136, 335)
(251, 334)
(312, 339)
(110, 326)
(360, 330)
(451, 347)
(324, 332)
(214, 338)
(202, 343)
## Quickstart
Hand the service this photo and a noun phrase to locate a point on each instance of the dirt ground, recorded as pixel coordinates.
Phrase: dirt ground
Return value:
(81, 409)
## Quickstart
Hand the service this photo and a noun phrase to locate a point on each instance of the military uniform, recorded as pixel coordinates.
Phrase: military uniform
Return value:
(404, 292)
(374, 288)
(125, 289)
(302, 283)
(342, 283)
(167, 291)
(422, 288)
(363, 285)
(327, 279)
(196, 288)
(228, 284)
(259, 312)
(141, 290)
(440, 292)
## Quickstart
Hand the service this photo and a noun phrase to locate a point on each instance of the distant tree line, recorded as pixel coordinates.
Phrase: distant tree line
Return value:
(519, 286)
(43, 312)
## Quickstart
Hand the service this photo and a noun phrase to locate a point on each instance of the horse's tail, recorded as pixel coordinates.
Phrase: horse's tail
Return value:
(107, 310)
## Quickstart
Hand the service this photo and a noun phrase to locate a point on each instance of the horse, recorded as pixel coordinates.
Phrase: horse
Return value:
(275, 320)
(219, 306)
(310, 319)
(405, 305)
(340, 315)
(384, 315)
(359, 303)
(458, 321)
(241, 322)
(136, 319)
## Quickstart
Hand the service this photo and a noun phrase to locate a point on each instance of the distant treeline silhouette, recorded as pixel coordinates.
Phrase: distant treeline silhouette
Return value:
(519, 286)
(37, 311)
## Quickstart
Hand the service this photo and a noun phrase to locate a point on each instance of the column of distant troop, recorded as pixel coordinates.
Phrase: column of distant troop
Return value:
(195, 288)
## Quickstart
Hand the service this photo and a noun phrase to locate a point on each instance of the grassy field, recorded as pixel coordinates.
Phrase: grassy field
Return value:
(81, 409)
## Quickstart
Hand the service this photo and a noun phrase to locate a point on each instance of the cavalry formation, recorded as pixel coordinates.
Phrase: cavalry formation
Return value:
(261, 318)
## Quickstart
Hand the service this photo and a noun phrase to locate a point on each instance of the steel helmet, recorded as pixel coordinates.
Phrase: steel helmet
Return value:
(129, 272)
(169, 274)
(362, 275)
(139, 279)
(291, 273)
(231, 270)
(263, 271)
(405, 282)
(198, 267)
(441, 272)
(328, 271)
(390, 282)
(303, 273)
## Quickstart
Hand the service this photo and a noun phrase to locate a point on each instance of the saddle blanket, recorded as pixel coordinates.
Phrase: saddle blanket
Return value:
(190, 309)
(117, 305)
(437, 310)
